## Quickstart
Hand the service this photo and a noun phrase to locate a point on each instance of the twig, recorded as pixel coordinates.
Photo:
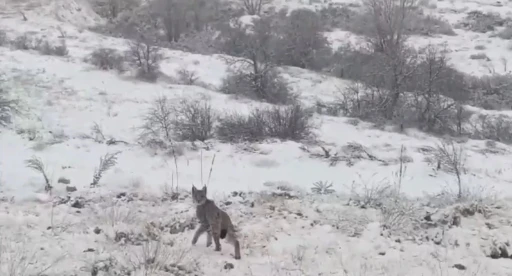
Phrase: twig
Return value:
(211, 169)
(202, 183)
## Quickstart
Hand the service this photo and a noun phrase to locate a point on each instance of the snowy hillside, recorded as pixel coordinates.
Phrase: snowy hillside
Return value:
(347, 196)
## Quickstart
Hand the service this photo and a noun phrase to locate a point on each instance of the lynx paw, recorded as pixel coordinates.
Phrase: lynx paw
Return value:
(194, 241)
(217, 248)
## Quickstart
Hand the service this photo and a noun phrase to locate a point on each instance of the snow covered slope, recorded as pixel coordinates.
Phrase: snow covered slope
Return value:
(130, 217)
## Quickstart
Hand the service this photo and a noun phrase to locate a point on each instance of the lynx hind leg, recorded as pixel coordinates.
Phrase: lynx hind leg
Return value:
(232, 239)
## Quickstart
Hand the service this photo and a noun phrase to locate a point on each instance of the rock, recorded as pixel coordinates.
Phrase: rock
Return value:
(503, 251)
(495, 253)
(97, 230)
(459, 266)
(78, 203)
(229, 266)
(64, 180)
(71, 189)
(456, 221)
(89, 250)
(490, 226)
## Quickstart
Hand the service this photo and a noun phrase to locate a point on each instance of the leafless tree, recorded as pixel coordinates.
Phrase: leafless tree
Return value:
(254, 7)
(173, 14)
(256, 74)
(389, 40)
(302, 43)
(452, 158)
(146, 57)
(112, 8)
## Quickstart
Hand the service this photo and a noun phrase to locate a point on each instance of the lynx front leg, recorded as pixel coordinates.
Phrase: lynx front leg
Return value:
(209, 238)
(215, 227)
(202, 228)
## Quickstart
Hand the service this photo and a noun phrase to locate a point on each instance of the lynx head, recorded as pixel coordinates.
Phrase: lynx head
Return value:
(199, 196)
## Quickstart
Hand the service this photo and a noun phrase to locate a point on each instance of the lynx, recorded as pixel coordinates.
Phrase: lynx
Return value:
(214, 221)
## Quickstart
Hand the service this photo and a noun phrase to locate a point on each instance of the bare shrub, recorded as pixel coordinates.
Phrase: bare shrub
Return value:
(480, 22)
(106, 163)
(285, 123)
(479, 56)
(433, 81)
(193, 120)
(254, 7)
(491, 92)
(157, 122)
(187, 77)
(418, 23)
(146, 57)
(7, 107)
(369, 195)
(301, 41)
(496, 128)
(111, 9)
(36, 164)
(451, 158)
(24, 42)
(45, 48)
(107, 59)
(3, 38)
(241, 128)
(506, 33)
(268, 86)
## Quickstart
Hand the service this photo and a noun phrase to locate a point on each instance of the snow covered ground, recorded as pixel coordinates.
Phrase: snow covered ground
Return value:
(129, 218)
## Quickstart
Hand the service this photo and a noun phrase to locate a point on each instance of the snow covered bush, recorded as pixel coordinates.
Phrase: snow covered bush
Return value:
(301, 42)
(266, 85)
(146, 58)
(7, 107)
(106, 59)
(285, 123)
(111, 9)
(352, 20)
(193, 120)
(157, 122)
(23, 42)
(46, 48)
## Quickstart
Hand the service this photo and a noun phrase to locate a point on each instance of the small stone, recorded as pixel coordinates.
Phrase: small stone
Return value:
(71, 189)
(490, 226)
(229, 266)
(459, 266)
(89, 250)
(64, 181)
(382, 253)
(97, 230)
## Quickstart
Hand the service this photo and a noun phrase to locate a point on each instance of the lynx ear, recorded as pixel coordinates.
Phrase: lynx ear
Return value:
(204, 189)
(194, 190)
